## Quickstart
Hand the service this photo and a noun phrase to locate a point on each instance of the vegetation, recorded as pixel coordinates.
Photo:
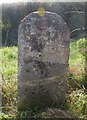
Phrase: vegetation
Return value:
(76, 81)
(9, 63)
(77, 97)
(12, 14)
(9, 77)
(82, 46)
(74, 16)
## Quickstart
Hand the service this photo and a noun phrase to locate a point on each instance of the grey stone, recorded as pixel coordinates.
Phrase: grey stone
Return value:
(43, 55)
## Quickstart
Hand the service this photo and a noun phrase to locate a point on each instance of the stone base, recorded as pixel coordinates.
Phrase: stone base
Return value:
(41, 94)
(49, 114)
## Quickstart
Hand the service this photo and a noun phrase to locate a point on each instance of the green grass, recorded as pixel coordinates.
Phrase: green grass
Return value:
(76, 62)
(76, 58)
(9, 77)
(9, 63)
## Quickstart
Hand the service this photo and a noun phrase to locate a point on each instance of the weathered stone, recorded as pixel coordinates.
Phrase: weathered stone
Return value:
(43, 43)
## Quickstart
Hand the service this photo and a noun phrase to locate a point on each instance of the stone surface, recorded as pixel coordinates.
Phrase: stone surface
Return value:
(43, 43)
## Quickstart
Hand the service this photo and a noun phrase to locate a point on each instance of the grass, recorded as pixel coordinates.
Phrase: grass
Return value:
(76, 59)
(9, 63)
(9, 77)
(77, 101)
(76, 62)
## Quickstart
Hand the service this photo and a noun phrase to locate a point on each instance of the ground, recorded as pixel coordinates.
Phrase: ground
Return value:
(76, 96)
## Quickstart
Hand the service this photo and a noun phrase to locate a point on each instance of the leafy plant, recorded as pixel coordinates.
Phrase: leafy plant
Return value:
(4, 116)
(82, 46)
(78, 102)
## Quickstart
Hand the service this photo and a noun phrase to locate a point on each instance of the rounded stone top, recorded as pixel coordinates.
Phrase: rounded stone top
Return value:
(37, 15)
(49, 19)
(45, 37)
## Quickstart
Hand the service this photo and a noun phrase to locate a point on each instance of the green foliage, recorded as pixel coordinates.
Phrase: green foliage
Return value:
(9, 63)
(4, 116)
(9, 95)
(82, 46)
(9, 77)
(76, 63)
(76, 58)
(78, 102)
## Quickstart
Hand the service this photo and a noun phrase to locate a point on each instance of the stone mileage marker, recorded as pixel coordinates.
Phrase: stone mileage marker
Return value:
(43, 43)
